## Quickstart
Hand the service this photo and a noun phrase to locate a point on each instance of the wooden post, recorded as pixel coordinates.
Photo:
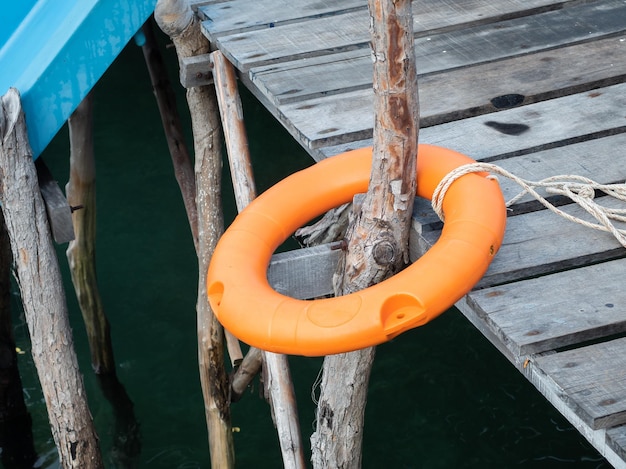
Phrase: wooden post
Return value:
(176, 19)
(166, 101)
(42, 293)
(81, 252)
(16, 435)
(81, 255)
(378, 233)
(280, 390)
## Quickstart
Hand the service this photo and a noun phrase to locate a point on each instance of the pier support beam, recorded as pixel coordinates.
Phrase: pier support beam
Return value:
(81, 255)
(41, 288)
(278, 383)
(176, 19)
(378, 232)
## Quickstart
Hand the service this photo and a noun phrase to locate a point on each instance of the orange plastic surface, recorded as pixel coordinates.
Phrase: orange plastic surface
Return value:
(246, 305)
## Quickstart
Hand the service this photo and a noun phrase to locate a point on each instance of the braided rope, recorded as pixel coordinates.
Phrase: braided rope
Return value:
(578, 188)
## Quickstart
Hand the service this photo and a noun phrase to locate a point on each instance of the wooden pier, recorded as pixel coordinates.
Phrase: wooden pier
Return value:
(536, 87)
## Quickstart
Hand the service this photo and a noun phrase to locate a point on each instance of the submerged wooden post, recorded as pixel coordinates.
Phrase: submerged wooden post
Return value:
(81, 252)
(81, 255)
(282, 397)
(176, 19)
(41, 287)
(378, 232)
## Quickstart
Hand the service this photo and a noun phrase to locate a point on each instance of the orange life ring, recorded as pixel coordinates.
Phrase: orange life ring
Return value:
(246, 305)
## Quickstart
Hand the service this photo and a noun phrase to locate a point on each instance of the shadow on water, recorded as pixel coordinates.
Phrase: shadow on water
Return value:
(440, 396)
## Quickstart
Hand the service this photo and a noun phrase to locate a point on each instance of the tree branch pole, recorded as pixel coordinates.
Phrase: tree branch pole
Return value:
(181, 161)
(176, 19)
(81, 252)
(378, 232)
(282, 397)
(41, 287)
(81, 255)
(166, 102)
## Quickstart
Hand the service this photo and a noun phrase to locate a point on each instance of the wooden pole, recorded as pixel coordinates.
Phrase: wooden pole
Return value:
(280, 390)
(176, 19)
(42, 293)
(378, 233)
(183, 169)
(170, 118)
(81, 252)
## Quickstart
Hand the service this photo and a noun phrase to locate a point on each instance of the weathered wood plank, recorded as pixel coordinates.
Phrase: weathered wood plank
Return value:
(304, 79)
(616, 440)
(592, 381)
(596, 113)
(347, 118)
(240, 15)
(551, 391)
(556, 310)
(449, 94)
(304, 273)
(349, 30)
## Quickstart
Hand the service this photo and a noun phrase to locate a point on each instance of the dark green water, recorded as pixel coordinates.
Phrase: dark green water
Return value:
(440, 396)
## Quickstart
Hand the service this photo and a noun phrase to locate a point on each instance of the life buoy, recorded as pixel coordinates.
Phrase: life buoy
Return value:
(246, 305)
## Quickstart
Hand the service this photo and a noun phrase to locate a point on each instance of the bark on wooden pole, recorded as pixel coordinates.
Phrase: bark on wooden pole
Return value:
(170, 118)
(176, 19)
(280, 390)
(378, 233)
(183, 169)
(41, 287)
(81, 252)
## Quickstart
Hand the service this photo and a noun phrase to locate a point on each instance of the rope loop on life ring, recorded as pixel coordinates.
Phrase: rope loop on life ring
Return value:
(247, 306)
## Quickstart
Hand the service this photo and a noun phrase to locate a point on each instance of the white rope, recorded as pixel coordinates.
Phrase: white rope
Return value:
(578, 188)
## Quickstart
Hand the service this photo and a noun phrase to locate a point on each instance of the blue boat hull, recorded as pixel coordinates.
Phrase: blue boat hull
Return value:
(54, 51)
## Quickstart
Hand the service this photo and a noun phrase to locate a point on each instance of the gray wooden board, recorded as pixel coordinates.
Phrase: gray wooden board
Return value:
(555, 310)
(592, 381)
(540, 242)
(453, 94)
(304, 273)
(351, 30)
(348, 117)
(598, 159)
(240, 15)
(616, 439)
(299, 80)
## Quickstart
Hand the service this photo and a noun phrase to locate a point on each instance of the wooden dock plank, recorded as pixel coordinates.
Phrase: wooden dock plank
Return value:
(596, 113)
(587, 377)
(350, 30)
(301, 80)
(324, 122)
(616, 440)
(545, 313)
(451, 95)
(242, 15)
